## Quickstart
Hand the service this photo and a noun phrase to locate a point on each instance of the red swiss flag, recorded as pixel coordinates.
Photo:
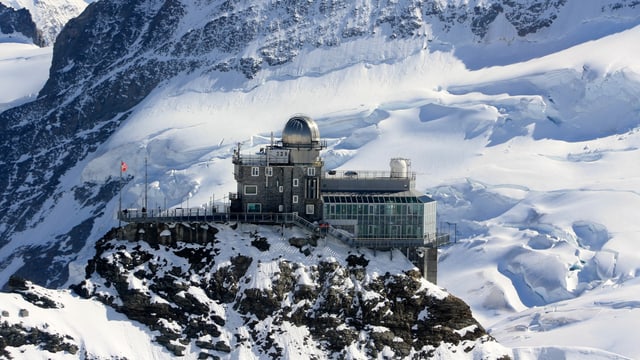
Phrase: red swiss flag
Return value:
(123, 166)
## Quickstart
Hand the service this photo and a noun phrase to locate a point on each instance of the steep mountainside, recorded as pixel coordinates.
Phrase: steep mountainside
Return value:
(520, 117)
(19, 22)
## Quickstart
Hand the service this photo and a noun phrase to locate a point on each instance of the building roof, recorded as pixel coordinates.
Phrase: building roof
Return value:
(408, 197)
(300, 131)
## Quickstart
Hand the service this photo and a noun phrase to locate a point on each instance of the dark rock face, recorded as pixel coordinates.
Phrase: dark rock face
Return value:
(86, 97)
(19, 21)
(339, 308)
(16, 336)
(28, 292)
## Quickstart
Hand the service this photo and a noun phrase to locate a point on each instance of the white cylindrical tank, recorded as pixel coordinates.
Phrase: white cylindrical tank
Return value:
(399, 167)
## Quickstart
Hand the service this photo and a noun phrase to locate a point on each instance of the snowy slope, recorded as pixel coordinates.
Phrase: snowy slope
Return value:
(532, 161)
(17, 60)
(99, 330)
(544, 208)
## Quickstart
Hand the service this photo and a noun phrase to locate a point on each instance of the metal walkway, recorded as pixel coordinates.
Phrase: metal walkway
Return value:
(202, 215)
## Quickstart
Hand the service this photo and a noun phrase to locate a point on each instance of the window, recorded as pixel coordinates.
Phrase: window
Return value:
(268, 171)
(255, 171)
(251, 189)
(295, 182)
(310, 209)
(280, 188)
(311, 171)
(254, 207)
(295, 199)
(313, 192)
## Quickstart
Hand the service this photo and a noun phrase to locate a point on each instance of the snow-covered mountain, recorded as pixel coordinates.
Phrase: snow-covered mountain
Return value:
(244, 292)
(521, 118)
(49, 16)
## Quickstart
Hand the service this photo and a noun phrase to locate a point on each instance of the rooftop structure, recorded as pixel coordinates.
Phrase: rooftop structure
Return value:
(380, 209)
(301, 132)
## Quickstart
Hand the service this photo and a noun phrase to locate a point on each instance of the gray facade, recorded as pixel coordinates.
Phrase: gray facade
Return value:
(284, 177)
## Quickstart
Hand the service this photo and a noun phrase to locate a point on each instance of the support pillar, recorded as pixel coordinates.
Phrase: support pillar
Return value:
(430, 271)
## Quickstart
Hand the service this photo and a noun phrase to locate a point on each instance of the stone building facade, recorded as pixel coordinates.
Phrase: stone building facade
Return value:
(283, 177)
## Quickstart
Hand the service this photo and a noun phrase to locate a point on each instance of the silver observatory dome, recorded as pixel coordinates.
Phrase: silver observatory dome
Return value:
(300, 131)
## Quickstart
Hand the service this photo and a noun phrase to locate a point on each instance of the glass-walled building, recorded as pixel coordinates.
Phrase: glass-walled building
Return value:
(403, 217)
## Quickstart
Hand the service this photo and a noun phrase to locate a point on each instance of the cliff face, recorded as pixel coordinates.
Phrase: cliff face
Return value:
(19, 21)
(49, 16)
(108, 59)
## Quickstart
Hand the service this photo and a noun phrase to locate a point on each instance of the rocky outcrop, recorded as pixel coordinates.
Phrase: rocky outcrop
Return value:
(31, 294)
(189, 292)
(16, 335)
(19, 21)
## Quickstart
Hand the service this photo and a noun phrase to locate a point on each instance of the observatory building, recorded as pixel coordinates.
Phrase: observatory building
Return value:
(377, 209)
(284, 177)
(286, 183)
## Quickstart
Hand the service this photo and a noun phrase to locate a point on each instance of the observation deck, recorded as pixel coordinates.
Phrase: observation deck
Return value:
(367, 181)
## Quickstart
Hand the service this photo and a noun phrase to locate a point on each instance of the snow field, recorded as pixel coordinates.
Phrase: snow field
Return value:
(533, 161)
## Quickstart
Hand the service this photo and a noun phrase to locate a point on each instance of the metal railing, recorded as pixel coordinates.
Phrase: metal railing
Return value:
(367, 174)
(201, 215)
(302, 222)
(207, 215)
(383, 243)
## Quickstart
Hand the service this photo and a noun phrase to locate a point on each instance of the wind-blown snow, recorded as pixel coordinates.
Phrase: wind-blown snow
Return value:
(534, 166)
(26, 68)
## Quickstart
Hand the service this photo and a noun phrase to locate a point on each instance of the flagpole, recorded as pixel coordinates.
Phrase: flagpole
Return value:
(120, 198)
(146, 185)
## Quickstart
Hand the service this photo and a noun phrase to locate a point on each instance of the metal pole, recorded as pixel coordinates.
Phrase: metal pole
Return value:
(455, 233)
(146, 183)
(120, 198)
